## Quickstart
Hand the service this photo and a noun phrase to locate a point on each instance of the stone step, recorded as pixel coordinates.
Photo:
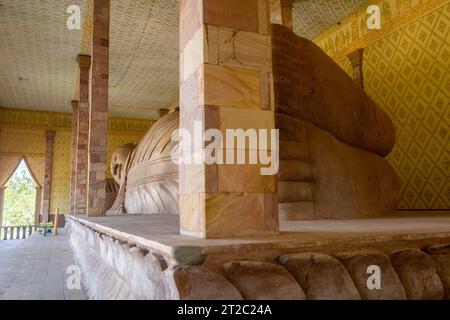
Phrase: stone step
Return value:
(292, 170)
(293, 191)
(295, 211)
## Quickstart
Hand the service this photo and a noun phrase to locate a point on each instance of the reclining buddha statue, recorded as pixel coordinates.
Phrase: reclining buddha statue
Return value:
(333, 143)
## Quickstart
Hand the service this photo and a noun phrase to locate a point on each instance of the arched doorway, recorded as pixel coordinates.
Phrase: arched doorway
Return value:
(21, 198)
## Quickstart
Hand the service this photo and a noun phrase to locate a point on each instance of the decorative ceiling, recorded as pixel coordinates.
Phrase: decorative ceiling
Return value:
(313, 17)
(37, 51)
(37, 54)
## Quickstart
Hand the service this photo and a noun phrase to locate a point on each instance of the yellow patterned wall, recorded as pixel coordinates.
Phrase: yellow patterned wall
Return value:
(61, 171)
(16, 141)
(406, 71)
(22, 132)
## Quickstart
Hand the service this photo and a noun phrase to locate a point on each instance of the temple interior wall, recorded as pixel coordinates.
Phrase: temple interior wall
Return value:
(405, 70)
(22, 133)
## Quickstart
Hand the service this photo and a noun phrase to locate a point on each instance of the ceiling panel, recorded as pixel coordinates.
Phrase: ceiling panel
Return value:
(313, 17)
(37, 51)
(37, 54)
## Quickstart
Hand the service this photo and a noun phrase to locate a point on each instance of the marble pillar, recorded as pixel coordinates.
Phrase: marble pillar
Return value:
(356, 59)
(46, 190)
(281, 12)
(80, 197)
(98, 115)
(73, 180)
(225, 83)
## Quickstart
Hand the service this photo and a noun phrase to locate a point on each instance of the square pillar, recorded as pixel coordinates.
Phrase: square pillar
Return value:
(226, 82)
(98, 116)
(73, 174)
(38, 204)
(80, 196)
(2, 204)
(356, 59)
(281, 12)
(49, 138)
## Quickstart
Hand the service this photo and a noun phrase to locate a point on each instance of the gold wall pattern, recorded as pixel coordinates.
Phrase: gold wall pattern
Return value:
(353, 33)
(43, 120)
(15, 141)
(22, 133)
(61, 171)
(407, 73)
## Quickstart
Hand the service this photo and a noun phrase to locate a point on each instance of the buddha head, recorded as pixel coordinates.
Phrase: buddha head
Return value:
(118, 162)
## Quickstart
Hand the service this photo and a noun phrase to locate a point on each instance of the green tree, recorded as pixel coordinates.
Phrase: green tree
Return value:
(20, 200)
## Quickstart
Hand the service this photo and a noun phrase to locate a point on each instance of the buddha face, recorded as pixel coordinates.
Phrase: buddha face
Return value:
(118, 162)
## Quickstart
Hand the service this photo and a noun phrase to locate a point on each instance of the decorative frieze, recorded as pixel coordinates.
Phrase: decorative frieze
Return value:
(57, 121)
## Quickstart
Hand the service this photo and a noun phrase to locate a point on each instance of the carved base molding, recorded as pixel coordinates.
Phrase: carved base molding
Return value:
(117, 265)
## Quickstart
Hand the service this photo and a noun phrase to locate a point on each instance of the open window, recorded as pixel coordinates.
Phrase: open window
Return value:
(21, 198)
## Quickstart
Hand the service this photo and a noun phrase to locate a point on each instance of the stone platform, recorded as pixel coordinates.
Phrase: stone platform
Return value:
(416, 240)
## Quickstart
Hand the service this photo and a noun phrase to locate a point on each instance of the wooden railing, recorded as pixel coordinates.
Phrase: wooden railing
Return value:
(16, 232)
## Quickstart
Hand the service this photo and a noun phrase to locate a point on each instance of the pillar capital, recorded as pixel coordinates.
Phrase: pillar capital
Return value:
(74, 104)
(84, 61)
(282, 3)
(50, 135)
(281, 11)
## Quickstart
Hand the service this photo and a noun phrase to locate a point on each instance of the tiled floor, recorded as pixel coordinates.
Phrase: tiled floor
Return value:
(35, 269)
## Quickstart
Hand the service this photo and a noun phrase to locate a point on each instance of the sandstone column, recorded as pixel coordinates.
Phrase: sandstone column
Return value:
(80, 196)
(281, 11)
(73, 180)
(49, 138)
(38, 204)
(225, 83)
(2, 200)
(356, 59)
(98, 116)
